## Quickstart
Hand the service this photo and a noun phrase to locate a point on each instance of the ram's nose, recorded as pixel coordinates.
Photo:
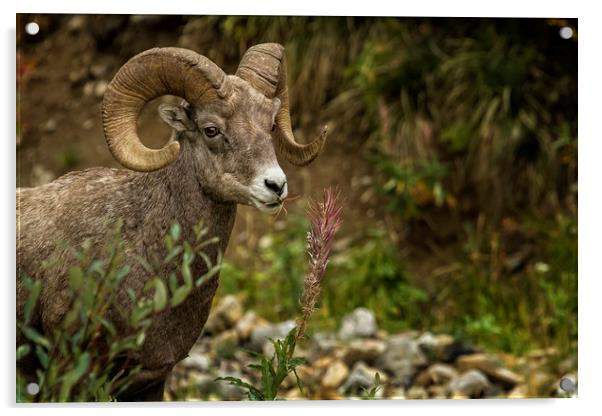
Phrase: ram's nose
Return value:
(275, 181)
(276, 186)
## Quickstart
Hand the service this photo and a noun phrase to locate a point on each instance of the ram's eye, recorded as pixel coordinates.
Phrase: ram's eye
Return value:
(211, 131)
(273, 126)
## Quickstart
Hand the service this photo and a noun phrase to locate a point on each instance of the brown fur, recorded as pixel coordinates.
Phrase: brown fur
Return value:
(206, 182)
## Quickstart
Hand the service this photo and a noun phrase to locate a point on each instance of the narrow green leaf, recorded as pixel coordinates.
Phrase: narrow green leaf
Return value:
(76, 278)
(172, 254)
(210, 273)
(73, 376)
(109, 327)
(160, 298)
(299, 383)
(122, 273)
(71, 316)
(173, 283)
(22, 351)
(98, 267)
(175, 231)
(252, 392)
(32, 299)
(186, 274)
(35, 336)
(179, 295)
(169, 243)
(42, 356)
(145, 264)
(140, 339)
(131, 294)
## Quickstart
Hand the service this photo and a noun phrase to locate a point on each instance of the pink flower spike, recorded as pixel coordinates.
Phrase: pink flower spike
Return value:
(325, 218)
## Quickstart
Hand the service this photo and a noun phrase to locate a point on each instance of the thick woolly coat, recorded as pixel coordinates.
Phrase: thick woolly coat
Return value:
(84, 206)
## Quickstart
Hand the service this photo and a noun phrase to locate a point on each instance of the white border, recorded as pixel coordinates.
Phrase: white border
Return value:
(590, 207)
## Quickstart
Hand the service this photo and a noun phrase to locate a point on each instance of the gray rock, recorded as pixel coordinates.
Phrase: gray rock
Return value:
(367, 350)
(417, 393)
(427, 341)
(437, 392)
(268, 349)
(224, 316)
(491, 367)
(225, 344)
(323, 343)
(403, 358)
(203, 382)
(361, 377)
(472, 383)
(479, 361)
(357, 324)
(200, 362)
(397, 393)
(261, 333)
(435, 347)
(506, 377)
(244, 327)
(436, 374)
(335, 374)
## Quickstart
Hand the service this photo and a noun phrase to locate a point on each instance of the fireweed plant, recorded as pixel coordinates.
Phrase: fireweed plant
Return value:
(325, 218)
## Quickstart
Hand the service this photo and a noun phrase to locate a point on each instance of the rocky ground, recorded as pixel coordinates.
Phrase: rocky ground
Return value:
(342, 365)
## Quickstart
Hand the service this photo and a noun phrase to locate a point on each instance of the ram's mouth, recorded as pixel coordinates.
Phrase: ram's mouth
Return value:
(270, 207)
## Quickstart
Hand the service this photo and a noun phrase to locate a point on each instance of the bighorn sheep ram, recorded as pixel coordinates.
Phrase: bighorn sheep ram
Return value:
(220, 154)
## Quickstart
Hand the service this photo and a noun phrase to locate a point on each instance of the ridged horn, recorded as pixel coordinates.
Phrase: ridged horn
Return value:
(148, 75)
(264, 67)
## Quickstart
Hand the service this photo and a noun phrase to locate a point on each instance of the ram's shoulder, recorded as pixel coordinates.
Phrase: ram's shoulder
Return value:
(98, 174)
(79, 188)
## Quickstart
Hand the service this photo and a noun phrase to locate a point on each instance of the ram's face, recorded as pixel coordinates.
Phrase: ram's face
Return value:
(232, 145)
(228, 129)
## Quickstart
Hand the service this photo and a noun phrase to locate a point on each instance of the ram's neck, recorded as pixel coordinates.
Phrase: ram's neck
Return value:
(174, 194)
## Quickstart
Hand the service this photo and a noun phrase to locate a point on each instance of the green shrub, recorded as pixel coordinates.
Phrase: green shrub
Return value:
(412, 187)
(85, 358)
(488, 303)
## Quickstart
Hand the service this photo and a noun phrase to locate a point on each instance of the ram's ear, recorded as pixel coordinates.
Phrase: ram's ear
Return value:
(176, 117)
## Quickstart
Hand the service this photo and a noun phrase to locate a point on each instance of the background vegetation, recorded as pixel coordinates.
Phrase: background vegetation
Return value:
(454, 142)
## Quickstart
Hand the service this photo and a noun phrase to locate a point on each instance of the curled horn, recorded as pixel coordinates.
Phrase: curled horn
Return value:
(264, 67)
(148, 75)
